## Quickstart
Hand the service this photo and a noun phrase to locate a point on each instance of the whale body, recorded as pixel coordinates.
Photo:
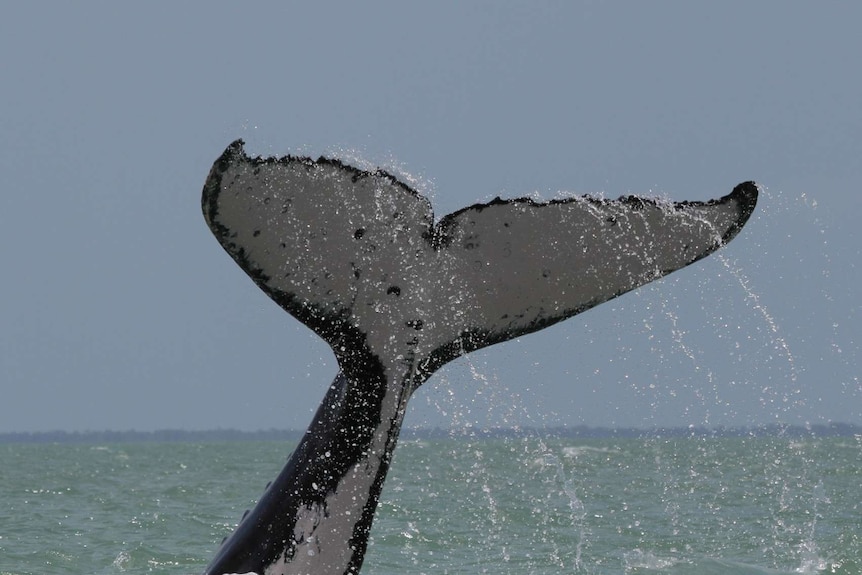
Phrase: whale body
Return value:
(358, 257)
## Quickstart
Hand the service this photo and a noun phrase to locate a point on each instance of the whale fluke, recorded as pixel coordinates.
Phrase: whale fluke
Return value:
(358, 257)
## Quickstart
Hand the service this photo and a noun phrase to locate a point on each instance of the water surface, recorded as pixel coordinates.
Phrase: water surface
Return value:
(528, 505)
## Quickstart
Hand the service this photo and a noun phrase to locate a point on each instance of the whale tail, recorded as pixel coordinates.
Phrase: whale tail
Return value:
(358, 257)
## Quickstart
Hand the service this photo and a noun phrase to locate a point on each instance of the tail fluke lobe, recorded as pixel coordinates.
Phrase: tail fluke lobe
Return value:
(527, 265)
(340, 249)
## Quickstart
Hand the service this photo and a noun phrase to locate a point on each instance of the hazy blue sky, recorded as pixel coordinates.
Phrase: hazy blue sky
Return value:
(119, 310)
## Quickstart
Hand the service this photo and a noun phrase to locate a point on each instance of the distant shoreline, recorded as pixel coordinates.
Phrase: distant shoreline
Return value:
(577, 432)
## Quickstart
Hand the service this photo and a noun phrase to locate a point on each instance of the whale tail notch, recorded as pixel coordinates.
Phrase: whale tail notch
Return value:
(358, 257)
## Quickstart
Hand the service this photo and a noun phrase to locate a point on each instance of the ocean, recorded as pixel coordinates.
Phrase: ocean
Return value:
(460, 505)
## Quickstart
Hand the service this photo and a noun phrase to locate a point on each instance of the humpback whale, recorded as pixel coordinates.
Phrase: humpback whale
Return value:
(358, 257)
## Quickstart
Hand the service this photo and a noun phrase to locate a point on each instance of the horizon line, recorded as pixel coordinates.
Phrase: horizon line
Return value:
(168, 435)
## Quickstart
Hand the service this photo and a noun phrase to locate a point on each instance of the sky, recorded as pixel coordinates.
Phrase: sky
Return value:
(119, 310)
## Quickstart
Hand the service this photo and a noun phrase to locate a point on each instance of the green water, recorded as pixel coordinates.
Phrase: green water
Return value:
(520, 506)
